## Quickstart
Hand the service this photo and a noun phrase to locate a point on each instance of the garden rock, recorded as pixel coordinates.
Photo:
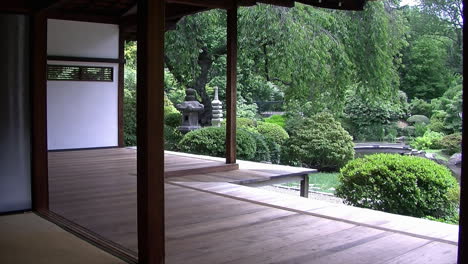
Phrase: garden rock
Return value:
(455, 160)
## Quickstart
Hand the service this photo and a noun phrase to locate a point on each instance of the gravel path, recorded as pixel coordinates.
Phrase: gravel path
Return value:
(295, 192)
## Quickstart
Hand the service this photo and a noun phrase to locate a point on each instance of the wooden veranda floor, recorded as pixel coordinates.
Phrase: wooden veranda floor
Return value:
(221, 222)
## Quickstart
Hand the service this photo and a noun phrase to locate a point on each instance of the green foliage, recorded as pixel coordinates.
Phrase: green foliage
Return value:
(245, 110)
(318, 142)
(420, 129)
(430, 140)
(451, 143)
(437, 122)
(368, 119)
(272, 132)
(275, 136)
(427, 76)
(377, 67)
(409, 131)
(418, 119)
(172, 136)
(276, 119)
(173, 119)
(399, 184)
(262, 152)
(246, 123)
(450, 107)
(212, 141)
(420, 107)
(129, 111)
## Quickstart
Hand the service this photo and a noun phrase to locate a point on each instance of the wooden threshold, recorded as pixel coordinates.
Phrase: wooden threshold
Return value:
(90, 236)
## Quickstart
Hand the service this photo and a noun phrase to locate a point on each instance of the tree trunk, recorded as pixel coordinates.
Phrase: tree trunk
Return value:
(205, 61)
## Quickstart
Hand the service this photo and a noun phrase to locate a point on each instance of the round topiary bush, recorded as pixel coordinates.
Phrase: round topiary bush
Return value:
(273, 132)
(318, 142)
(211, 141)
(418, 119)
(246, 123)
(399, 184)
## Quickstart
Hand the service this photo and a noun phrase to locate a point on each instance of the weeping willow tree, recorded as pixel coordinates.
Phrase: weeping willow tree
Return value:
(303, 54)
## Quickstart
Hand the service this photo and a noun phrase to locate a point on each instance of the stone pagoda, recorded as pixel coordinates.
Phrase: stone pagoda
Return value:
(217, 112)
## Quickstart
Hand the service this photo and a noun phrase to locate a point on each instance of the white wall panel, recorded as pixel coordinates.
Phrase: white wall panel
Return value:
(82, 39)
(82, 114)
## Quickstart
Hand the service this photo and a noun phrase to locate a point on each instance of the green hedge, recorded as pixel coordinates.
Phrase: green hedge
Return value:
(451, 144)
(318, 142)
(211, 141)
(272, 132)
(172, 136)
(416, 119)
(398, 184)
(262, 152)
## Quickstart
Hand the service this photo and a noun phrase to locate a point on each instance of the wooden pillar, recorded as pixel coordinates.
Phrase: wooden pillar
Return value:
(39, 160)
(231, 82)
(462, 239)
(150, 140)
(120, 96)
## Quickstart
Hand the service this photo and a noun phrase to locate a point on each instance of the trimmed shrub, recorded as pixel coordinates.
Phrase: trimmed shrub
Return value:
(418, 119)
(172, 136)
(246, 123)
(319, 142)
(451, 143)
(277, 120)
(173, 119)
(272, 132)
(211, 141)
(399, 184)
(430, 140)
(263, 151)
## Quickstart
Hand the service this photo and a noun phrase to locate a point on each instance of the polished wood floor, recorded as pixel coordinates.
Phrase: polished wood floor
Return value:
(221, 222)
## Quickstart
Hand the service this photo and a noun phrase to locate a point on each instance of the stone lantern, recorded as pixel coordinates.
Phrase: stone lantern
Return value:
(217, 112)
(190, 109)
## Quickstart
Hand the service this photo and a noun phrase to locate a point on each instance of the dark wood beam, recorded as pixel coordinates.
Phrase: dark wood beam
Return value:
(84, 17)
(285, 3)
(45, 5)
(223, 4)
(40, 182)
(174, 12)
(17, 6)
(150, 134)
(83, 59)
(231, 82)
(120, 91)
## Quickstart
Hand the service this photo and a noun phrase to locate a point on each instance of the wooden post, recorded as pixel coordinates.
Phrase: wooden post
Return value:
(150, 139)
(39, 160)
(304, 192)
(231, 89)
(120, 90)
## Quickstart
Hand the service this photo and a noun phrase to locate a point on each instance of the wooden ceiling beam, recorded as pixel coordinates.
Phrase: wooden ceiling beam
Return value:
(284, 3)
(84, 17)
(223, 4)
